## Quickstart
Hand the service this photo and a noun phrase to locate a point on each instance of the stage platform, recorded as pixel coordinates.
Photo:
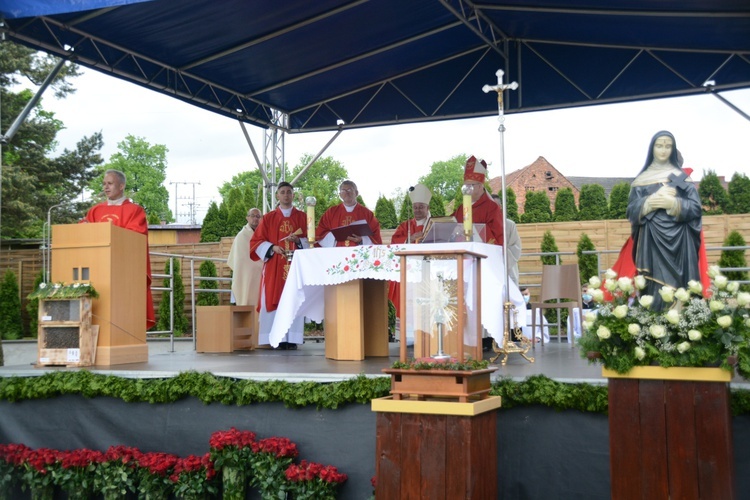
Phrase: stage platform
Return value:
(555, 360)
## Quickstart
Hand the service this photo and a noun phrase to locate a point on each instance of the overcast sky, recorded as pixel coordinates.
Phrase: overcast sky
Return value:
(606, 141)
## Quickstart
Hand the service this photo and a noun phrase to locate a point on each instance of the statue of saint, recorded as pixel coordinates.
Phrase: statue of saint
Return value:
(664, 210)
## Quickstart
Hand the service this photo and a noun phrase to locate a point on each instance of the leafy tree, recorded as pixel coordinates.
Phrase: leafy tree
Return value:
(33, 180)
(212, 227)
(536, 208)
(549, 245)
(361, 200)
(714, 197)
(437, 206)
(322, 181)
(407, 211)
(592, 203)
(618, 201)
(250, 197)
(236, 213)
(152, 218)
(734, 258)
(565, 206)
(11, 325)
(446, 177)
(145, 168)
(180, 320)
(32, 307)
(208, 270)
(739, 194)
(385, 212)
(587, 263)
(248, 181)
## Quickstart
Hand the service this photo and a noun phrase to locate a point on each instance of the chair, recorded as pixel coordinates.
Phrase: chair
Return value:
(559, 282)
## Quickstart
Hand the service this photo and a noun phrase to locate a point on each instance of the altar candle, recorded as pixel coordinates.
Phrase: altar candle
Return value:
(310, 201)
(466, 190)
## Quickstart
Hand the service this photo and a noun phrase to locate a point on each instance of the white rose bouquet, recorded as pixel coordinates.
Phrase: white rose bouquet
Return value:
(694, 330)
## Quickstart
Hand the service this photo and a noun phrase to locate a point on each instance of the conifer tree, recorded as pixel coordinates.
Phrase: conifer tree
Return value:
(407, 212)
(11, 325)
(385, 212)
(536, 208)
(237, 219)
(734, 258)
(208, 270)
(549, 245)
(739, 194)
(714, 197)
(592, 203)
(437, 206)
(587, 263)
(565, 206)
(618, 201)
(32, 307)
(180, 320)
(213, 225)
(511, 205)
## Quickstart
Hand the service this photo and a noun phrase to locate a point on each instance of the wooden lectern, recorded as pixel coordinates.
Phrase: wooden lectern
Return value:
(113, 260)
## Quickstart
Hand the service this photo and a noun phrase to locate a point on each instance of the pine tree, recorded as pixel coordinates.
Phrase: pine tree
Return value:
(180, 320)
(549, 245)
(11, 325)
(385, 212)
(714, 197)
(32, 307)
(592, 203)
(208, 270)
(734, 258)
(739, 194)
(237, 219)
(437, 205)
(587, 263)
(213, 225)
(536, 208)
(407, 212)
(565, 206)
(618, 201)
(511, 205)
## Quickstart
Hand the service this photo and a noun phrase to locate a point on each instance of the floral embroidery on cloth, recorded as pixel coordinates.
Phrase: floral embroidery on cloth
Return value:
(370, 258)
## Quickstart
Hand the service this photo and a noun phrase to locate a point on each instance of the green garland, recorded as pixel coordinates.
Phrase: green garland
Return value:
(535, 390)
(449, 364)
(64, 291)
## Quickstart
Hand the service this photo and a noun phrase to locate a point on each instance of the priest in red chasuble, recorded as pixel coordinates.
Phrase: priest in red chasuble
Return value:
(278, 235)
(122, 212)
(344, 214)
(484, 210)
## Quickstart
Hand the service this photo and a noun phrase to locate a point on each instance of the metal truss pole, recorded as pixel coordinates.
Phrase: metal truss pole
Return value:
(273, 158)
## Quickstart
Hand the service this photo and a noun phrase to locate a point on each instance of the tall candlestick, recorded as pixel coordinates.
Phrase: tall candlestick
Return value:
(467, 190)
(310, 201)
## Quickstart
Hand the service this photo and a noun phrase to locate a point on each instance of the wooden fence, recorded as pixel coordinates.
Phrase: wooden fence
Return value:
(608, 237)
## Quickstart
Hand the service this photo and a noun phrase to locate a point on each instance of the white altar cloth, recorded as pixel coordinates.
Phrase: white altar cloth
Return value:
(314, 268)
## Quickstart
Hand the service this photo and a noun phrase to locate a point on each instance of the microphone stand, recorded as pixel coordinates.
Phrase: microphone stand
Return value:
(509, 345)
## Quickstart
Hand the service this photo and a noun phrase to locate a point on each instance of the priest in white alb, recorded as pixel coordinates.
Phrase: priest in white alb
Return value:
(246, 272)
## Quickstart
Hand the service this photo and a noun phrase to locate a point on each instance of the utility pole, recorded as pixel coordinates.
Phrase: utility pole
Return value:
(191, 204)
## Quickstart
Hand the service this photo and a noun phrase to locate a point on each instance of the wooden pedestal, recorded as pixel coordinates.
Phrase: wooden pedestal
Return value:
(356, 319)
(459, 385)
(226, 328)
(670, 438)
(435, 456)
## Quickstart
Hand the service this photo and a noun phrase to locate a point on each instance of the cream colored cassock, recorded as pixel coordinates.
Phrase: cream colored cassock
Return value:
(246, 276)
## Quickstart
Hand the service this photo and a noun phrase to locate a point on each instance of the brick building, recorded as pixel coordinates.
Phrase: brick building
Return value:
(539, 176)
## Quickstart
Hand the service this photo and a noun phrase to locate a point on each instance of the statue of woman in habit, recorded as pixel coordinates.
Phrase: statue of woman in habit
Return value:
(664, 210)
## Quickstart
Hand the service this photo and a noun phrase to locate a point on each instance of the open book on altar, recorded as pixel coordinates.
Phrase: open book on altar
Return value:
(358, 227)
(446, 230)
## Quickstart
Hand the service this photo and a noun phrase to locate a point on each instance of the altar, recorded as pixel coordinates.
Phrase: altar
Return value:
(312, 270)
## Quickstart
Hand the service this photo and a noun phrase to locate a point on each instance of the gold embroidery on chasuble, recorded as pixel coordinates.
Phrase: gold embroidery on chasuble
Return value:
(110, 218)
(345, 222)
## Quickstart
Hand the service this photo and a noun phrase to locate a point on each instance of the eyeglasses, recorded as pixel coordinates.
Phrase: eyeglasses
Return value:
(255, 216)
(346, 190)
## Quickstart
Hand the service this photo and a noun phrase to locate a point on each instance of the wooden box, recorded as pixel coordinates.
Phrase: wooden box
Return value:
(65, 333)
(226, 328)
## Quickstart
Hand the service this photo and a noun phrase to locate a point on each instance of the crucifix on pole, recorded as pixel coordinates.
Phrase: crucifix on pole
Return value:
(508, 344)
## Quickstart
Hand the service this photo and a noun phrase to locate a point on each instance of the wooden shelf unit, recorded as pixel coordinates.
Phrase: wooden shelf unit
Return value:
(226, 328)
(65, 334)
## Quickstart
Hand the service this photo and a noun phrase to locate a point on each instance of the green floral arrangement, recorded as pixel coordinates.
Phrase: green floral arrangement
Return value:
(64, 291)
(442, 364)
(698, 328)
